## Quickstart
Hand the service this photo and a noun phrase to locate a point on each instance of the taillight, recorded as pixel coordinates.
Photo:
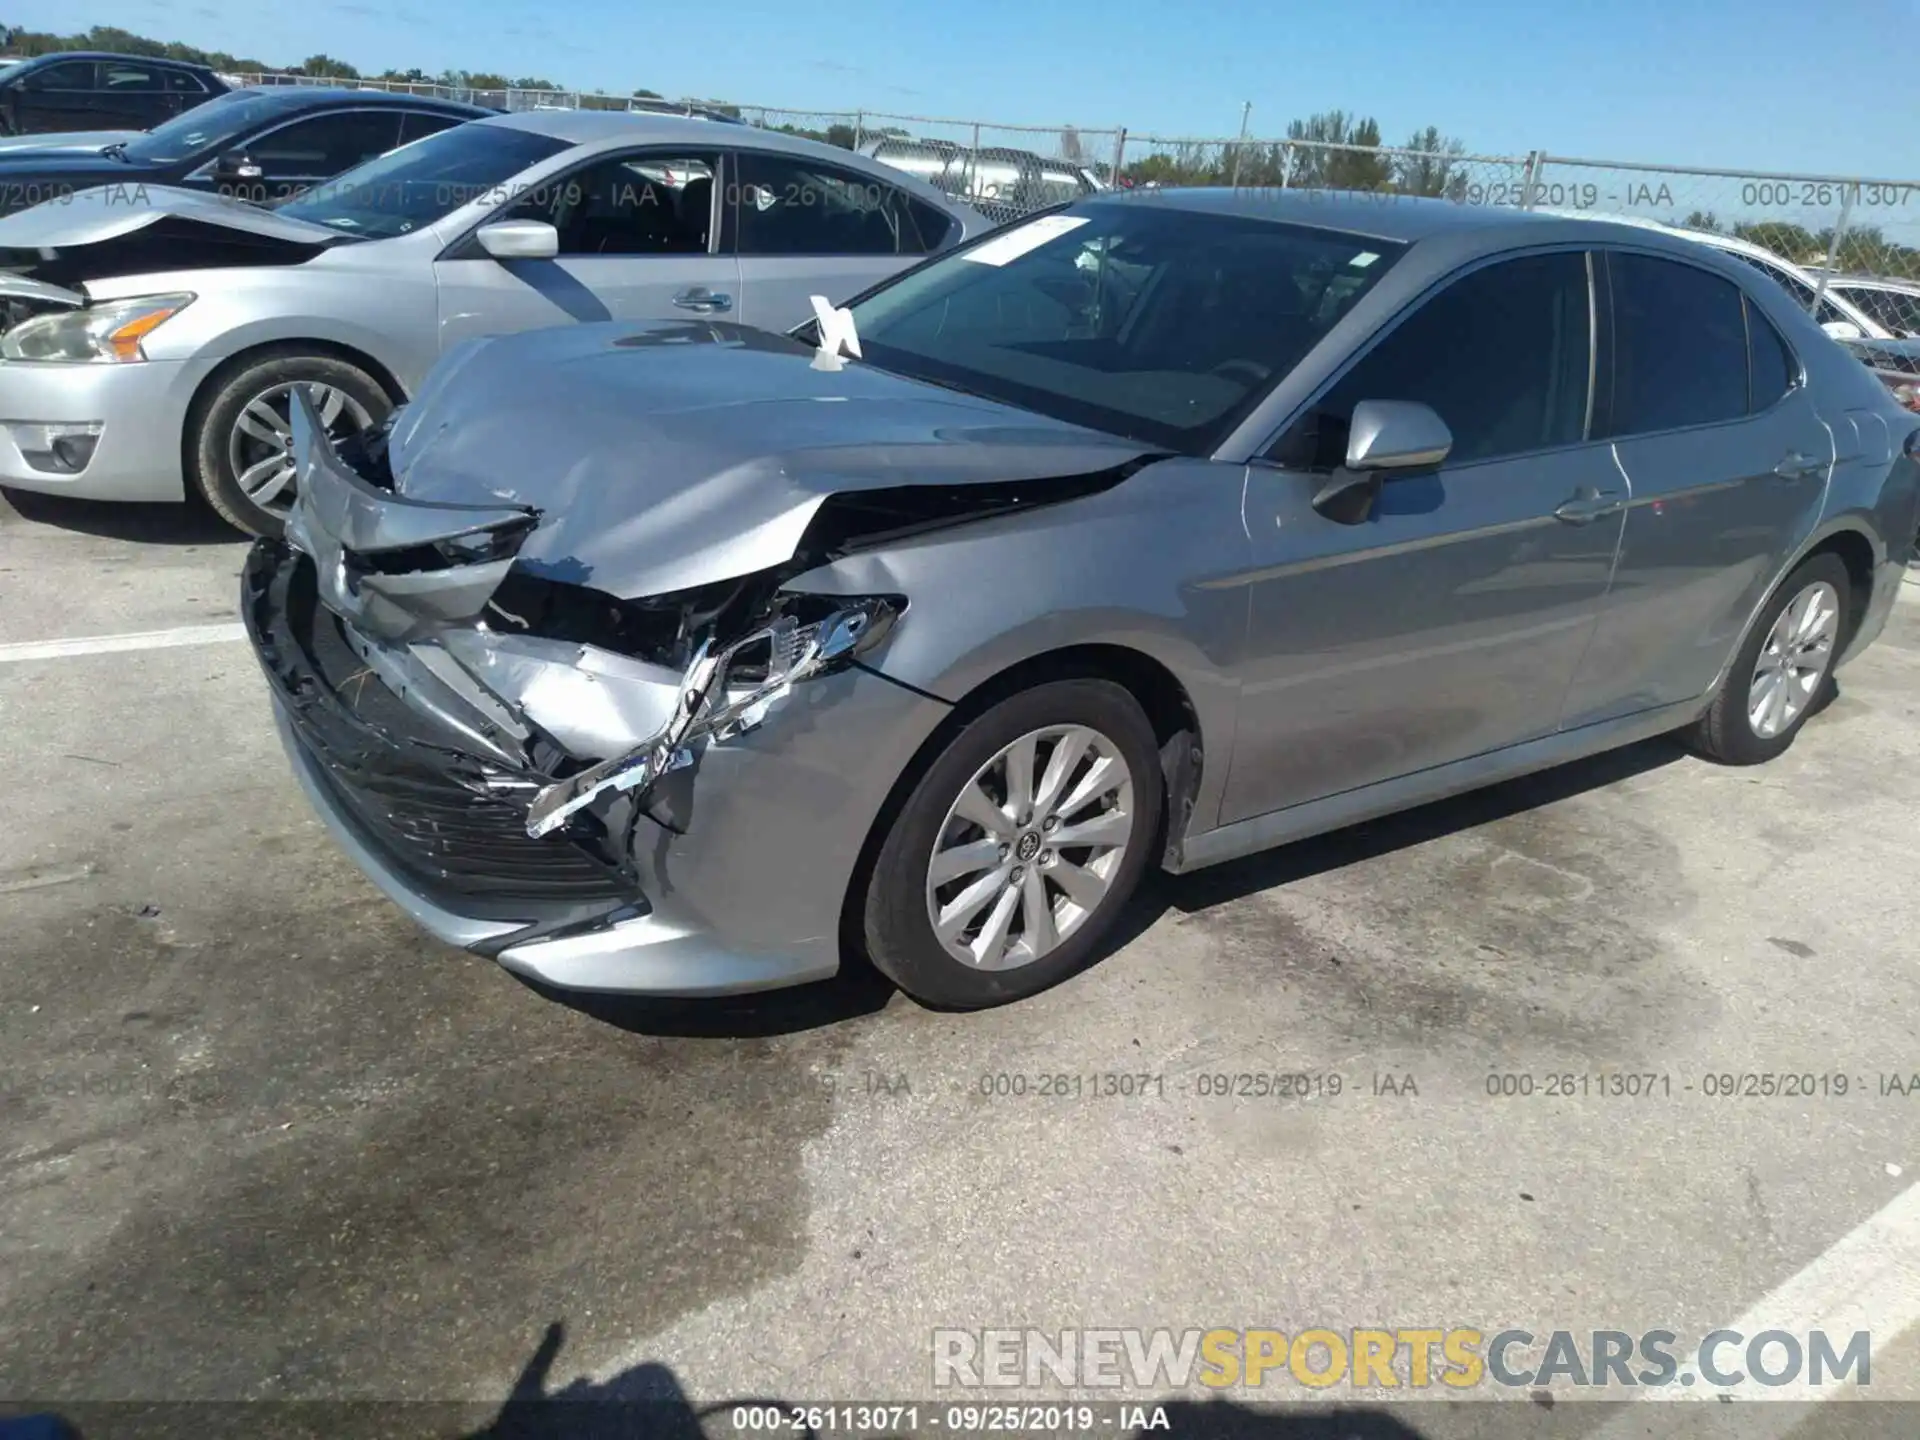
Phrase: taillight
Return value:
(1908, 396)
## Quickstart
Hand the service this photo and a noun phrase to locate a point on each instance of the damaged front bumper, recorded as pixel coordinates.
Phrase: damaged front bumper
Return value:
(589, 819)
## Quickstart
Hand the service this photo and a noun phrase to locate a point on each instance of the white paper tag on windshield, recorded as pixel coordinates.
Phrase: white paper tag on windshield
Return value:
(1022, 238)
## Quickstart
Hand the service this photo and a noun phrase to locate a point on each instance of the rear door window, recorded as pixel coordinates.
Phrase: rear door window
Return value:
(119, 79)
(415, 123)
(1679, 346)
(791, 205)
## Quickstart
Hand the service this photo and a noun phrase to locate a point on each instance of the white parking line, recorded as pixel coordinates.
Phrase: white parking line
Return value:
(1869, 1280)
(108, 644)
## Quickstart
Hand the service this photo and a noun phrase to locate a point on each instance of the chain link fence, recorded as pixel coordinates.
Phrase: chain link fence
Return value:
(1843, 224)
(1832, 225)
(1309, 166)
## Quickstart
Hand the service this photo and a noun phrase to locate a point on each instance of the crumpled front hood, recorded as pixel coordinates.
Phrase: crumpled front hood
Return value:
(107, 211)
(671, 455)
(68, 142)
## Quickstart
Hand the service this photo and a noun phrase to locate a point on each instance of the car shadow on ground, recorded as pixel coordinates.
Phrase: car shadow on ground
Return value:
(859, 990)
(152, 524)
(649, 1400)
(1270, 869)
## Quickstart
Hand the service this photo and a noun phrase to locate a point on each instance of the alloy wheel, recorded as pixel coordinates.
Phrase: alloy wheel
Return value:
(260, 445)
(1793, 662)
(1031, 847)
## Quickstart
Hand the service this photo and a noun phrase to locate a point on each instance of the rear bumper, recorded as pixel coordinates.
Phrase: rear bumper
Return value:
(733, 882)
(141, 410)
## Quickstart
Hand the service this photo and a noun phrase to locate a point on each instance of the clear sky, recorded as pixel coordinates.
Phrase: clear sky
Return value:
(1824, 85)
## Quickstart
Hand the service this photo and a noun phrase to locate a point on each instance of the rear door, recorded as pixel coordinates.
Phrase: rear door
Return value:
(1450, 622)
(1728, 465)
(638, 240)
(130, 95)
(417, 124)
(184, 90)
(802, 228)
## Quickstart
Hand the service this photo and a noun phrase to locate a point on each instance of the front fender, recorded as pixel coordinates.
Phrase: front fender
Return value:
(1152, 566)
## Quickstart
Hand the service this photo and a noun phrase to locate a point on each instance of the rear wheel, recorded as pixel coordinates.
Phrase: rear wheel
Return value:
(1018, 847)
(1783, 671)
(243, 446)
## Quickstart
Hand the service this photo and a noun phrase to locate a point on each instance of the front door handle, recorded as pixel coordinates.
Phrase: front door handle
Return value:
(1797, 466)
(707, 302)
(1588, 504)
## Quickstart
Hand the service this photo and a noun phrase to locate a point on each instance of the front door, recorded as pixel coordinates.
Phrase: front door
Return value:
(62, 96)
(637, 242)
(1450, 622)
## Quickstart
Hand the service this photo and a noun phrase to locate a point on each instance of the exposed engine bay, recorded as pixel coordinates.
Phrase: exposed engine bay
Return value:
(567, 702)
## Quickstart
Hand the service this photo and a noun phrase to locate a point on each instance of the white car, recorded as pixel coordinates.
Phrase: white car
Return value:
(1838, 315)
(1894, 303)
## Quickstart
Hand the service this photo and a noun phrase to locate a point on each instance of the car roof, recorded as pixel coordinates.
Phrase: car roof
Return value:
(585, 127)
(303, 97)
(1715, 238)
(1868, 282)
(1379, 215)
(162, 60)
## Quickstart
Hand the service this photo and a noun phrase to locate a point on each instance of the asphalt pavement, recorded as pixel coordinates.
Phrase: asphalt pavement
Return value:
(261, 1139)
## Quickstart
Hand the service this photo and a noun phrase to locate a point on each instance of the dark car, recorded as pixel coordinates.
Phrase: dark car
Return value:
(258, 145)
(85, 90)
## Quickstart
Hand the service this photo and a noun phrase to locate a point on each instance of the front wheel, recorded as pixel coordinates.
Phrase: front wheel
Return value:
(1783, 671)
(243, 443)
(1018, 847)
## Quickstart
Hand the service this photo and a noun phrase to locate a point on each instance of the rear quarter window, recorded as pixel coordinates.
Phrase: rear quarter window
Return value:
(1770, 363)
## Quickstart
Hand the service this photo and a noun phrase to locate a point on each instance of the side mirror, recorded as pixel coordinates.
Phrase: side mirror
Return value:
(519, 240)
(1396, 435)
(1843, 330)
(235, 165)
(1385, 439)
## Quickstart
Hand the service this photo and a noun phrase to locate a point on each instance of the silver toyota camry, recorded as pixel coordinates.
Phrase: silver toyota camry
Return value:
(151, 338)
(690, 658)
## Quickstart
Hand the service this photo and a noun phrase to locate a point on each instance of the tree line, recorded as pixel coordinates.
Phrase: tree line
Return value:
(1340, 151)
(1864, 249)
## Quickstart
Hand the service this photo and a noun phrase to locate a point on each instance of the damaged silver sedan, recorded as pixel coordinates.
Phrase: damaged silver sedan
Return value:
(691, 659)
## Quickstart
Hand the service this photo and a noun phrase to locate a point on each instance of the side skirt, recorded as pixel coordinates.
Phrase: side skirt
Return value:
(1403, 792)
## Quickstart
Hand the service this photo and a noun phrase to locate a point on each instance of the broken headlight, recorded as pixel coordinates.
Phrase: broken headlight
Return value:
(108, 333)
(728, 689)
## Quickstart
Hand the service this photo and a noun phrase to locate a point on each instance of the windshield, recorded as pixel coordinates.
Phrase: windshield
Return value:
(204, 129)
(417, 184)
(1159, 324)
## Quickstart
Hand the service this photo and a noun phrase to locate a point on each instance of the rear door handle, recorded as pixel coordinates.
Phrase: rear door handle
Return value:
(1588, 504)
(1797, 466)
(706, 301)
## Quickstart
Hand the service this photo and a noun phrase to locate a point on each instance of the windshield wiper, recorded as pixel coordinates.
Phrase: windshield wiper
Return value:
(118, 150)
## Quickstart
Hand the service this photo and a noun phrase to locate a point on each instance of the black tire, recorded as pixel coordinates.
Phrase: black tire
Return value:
(897, 929)
(1726, 733)
(215, 415)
